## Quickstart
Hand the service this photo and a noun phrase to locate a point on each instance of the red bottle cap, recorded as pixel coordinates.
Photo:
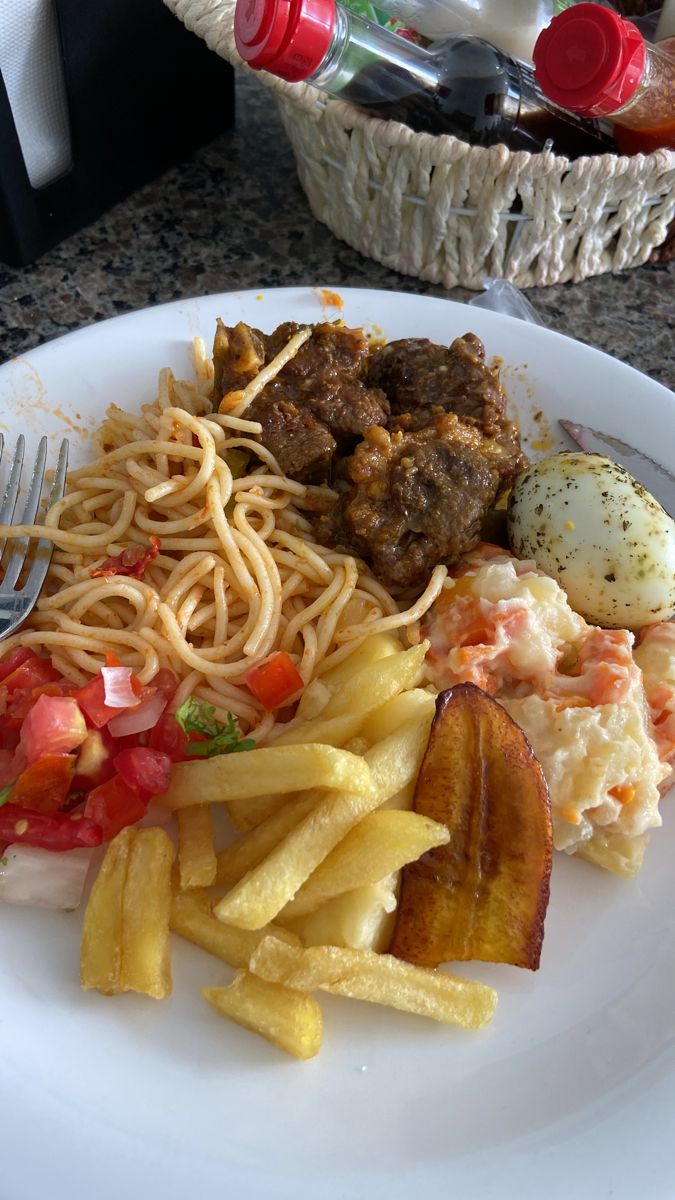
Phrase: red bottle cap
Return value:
(289, 38)
(589, 60)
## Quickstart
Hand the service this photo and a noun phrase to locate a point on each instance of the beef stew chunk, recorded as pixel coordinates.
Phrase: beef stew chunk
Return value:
(421, 379)
(238, 355)
(317, 406)
(414, 436)
(417, 498)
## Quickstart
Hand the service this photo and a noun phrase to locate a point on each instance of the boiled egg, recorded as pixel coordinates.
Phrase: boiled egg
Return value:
(589, 524)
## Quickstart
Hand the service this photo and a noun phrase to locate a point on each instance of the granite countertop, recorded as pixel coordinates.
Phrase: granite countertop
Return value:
(234, 216)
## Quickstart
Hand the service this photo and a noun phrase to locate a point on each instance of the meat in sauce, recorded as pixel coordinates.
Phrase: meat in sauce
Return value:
(420, 379)
(418, 498)
(317, 406)
(414, 436)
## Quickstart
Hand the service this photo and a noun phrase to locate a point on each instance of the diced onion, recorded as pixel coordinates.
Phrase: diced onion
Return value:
(144, 716)
(41, 878)
(118, 692)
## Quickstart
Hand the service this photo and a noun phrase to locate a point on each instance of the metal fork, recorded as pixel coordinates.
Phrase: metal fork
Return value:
(17, 603)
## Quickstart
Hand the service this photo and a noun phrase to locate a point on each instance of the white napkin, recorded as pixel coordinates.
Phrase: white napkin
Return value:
(30, 63)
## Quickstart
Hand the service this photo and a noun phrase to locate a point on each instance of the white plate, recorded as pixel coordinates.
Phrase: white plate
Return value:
(570, 1093)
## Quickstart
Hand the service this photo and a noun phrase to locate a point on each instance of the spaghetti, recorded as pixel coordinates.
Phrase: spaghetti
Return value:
(238, 574)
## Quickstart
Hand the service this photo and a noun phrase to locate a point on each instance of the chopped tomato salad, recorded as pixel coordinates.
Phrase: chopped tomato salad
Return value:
(275, 680)
(132, 561)
(78, 764)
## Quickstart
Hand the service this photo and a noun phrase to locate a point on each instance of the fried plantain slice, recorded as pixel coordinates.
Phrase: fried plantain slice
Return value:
(484, 894)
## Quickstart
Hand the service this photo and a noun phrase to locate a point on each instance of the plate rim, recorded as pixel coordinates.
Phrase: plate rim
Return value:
(344, 1184)
(117, 321)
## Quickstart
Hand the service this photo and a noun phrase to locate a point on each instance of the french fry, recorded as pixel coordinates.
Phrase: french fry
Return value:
(365, 654)
(261, 895)
(313, 700)
(146, 907)
(362, 919)
(192, 919)
(398, 711)
(277, 961)
(242, 856)
(287, 1019)
(253, 810)
(402, 799)
(101, 947)
(378, 979)
(399, 671)
(450, 999)
(319, 691)
(272, 769)
(196, 856)
(369, 688)
(328, 730)
(380, 844)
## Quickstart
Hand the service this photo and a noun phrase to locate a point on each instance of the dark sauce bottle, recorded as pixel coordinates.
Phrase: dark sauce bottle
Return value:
(461, 85)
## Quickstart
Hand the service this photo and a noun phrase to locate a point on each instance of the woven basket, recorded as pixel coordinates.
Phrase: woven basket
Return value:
(450, 213)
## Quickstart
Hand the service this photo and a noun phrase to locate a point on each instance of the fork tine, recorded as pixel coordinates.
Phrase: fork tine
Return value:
(12, 489)
(20, 546)
(59, 480)
(45, 548)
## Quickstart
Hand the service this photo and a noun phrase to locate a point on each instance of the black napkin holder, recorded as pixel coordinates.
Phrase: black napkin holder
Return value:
(142, 93)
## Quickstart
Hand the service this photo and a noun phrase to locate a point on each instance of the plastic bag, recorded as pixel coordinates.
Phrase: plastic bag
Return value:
(502, 297)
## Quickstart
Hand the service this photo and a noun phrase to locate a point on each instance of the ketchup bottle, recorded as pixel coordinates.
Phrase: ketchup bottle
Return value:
(598, 64)
(461, 85)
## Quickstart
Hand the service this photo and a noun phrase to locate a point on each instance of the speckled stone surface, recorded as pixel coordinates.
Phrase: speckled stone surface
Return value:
(234, 216)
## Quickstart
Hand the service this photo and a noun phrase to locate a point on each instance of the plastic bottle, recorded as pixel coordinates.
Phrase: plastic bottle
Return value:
(666, 26)
(461, 85)
(597, 64)
(512, 25)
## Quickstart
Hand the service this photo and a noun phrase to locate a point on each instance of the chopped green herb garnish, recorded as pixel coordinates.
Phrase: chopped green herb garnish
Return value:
(4, 794)
(3, 860)
(196, 717)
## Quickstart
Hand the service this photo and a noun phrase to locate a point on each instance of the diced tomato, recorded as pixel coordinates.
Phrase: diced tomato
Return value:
(131, 562)
(275, 680)
(62, 831)
(91, 699)
(146, 770)
(11, 768)
(9, 738)
(15, 707)
(43, 785)
(168, 737)
(22, 700)
(166, 682)
(95, 760)
(31, 673)
(8, 767)
(114, 805)
(54, 725)
(128, 742)
(14, 659)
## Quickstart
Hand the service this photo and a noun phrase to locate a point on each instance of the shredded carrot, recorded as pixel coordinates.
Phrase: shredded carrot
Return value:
(623, 792)
(571, 815)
